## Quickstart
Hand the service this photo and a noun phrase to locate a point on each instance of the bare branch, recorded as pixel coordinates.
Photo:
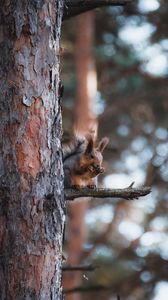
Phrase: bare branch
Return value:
(81, 289)
(79, 268)
(128, 193)
(75, 7)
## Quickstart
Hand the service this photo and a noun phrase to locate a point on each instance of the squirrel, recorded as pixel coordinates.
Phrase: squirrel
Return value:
(83, 162)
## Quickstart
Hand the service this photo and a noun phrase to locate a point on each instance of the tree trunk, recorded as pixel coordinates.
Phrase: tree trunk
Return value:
(85, 121)
(31, 224)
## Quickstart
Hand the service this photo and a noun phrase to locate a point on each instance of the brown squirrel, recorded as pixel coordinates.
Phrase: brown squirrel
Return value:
(83, 161)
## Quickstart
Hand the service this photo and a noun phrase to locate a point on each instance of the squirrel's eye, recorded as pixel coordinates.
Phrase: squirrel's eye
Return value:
(92, 155)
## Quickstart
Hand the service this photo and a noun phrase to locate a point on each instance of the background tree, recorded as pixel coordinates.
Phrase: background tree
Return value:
(131, 55)
(31, 224)
(83, 123)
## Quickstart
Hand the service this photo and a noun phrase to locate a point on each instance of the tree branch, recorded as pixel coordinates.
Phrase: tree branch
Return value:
(75, 7)
(79, 268)
(81, 289)
(128, 193)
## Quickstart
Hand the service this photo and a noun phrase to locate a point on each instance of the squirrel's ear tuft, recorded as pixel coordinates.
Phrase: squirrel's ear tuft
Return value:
(89, 146)
(102, 144)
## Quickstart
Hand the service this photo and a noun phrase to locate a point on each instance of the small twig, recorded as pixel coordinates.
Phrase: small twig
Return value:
(79, 268)
(128, 193)
(131, 185)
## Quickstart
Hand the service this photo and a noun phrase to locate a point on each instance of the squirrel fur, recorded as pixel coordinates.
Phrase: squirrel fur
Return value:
(83, 161)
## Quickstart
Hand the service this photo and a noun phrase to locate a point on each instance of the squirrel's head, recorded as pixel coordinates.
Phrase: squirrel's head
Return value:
(93, 154)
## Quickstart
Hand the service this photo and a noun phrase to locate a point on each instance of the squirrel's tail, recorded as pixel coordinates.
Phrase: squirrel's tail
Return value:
(75, 147)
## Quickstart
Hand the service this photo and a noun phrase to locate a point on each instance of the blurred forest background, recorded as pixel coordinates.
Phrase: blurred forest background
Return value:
(115, 75)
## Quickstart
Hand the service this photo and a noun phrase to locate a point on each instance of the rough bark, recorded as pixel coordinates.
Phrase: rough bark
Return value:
(31, 226)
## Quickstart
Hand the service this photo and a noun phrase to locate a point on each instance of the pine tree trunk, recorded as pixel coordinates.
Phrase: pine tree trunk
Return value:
(31, 224)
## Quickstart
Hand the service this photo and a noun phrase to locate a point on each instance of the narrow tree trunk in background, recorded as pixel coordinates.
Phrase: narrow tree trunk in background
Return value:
(84, 121)
(31, 225)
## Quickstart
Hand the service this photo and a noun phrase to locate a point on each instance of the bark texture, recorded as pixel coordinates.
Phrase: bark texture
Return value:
(31, 226)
